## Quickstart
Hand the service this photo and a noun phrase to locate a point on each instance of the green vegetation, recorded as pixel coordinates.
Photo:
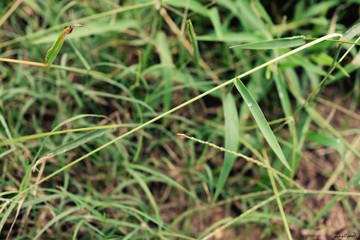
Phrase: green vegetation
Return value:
(179, 120)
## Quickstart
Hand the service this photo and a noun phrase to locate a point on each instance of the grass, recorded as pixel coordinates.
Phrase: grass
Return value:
(136, 130)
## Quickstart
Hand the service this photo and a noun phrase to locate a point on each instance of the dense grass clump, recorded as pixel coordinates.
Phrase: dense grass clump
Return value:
(179, 120)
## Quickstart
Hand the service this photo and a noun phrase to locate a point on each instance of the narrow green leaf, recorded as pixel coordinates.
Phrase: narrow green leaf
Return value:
(5, 126)
(293, 82)
(193, 41)
(215, 20)
(10, 208)
(355, 180)
(165, 178)
(286, 106)
(230, 37)
(149, 195)
(117, 96)
(194, 6)
(78, 141)
(80, 202)
(326, 60)
(80, 55)
(327, 141)
(165, 57)
(55, 48)
(56, 219)
(274, 44)
(138, 72)
(231, 140)
(247, 16)
(352, 32)
(99, 27)
(323, 211)
(319, 120)
(261, 121)
(317, 9)
(283, 94)
(260, 8)
(278, 199)
(298, 60)
(71, 145)
(214, 226)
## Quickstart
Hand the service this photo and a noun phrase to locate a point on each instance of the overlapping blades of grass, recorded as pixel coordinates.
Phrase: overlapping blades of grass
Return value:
(277, 146)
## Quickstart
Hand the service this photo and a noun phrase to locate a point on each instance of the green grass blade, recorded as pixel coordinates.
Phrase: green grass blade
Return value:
(214, 226)
(261, 121)
(80, 55)
(138, 180)
(262, 11)
(25, 180)
(249, 159)
(52, 133)
(194, 6)
(75, 143)
(68, 212)
(215, 20)
(321, 122)
(352, 32)
(229, 37)
(241, 216)
(248, 18)
(181, 106)
(286, 106)
(327, 141)
(165, 178)
(117, 96)
(323, 211)
(10, 208)
(55, 48)
(80, 20)
(274, 44)
(278, 199)
(149, 196)
(165, 57)
(5, 126)
(99, 27)
(193, 41)
(231, 140)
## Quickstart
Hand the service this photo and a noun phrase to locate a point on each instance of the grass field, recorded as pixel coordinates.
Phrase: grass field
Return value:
(179, 119)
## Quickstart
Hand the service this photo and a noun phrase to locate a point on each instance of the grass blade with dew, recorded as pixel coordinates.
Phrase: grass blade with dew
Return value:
(261, 121)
